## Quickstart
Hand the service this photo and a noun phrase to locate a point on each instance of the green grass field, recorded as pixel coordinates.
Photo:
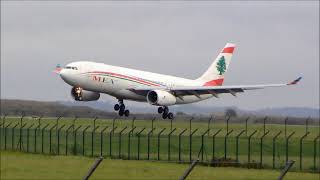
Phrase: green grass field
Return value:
(294, 146)
(16, 165)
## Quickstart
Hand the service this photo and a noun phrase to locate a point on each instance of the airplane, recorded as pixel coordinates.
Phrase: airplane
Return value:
(89, 79)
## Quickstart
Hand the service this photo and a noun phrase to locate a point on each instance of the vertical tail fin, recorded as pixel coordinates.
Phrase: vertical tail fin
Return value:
(214, 75)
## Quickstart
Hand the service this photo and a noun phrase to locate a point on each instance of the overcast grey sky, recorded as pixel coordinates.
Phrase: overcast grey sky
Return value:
(276, 42)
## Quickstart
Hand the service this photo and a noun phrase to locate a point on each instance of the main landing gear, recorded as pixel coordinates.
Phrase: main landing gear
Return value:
(121, 108)
(165, 112)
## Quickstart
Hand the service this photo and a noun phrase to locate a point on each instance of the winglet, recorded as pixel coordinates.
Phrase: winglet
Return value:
(58, 69)
(295, 81)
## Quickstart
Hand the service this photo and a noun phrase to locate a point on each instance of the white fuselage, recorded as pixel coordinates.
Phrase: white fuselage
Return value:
(117, 81)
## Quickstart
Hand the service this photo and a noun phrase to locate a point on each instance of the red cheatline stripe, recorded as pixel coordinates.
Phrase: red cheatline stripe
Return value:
(216, 82)
(124, 76)
(228, 50)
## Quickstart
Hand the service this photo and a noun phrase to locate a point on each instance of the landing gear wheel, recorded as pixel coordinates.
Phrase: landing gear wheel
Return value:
(166, 110)
(122, 107)
(170, 116)
(121, 113)
(164, 116)
(160, 110)
(126, 113)
(116, 107)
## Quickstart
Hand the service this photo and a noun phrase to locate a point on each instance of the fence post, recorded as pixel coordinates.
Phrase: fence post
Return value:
(138, 134)
(42, 132)
(132, 124)
(202, 143)
(1, 131)
(28, 129)
(4, 120)
(169, 142)
(120, 134)
(101, 140)
(209, 121)
(274, 148)
(287, 145)
(20, 143)
(92, 138)
(20, 132)
(307, 124)
(93, 133)
(228, 124)
(247, 126)
(5, 135)
(159, 142)
(315, 153)
(129, 144)
(75, 139)
(12, 138)
(190, 125)
(74, 123)
(213, 142)
(225, 143)
(261, 145)
(152, 122)
(35, 133)
(110, 140)
(57, 122)
(285, 127)
(39, 120)
(50, 137)
(59, 129)
(149, 133)
(83, 138)
(190, 144)
(94, 122)
(67, 134)
(301, 139)
(264, 124)
(237, 145)
(180, 143)
(35, 138)
(113, 124)
(249, 147)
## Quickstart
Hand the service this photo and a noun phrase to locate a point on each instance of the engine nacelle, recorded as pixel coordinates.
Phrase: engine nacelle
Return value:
(82, 95)
(161, 98)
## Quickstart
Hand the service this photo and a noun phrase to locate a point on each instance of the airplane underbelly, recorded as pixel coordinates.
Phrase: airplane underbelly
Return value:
(191, 99)
(126, 94)
(119, 89)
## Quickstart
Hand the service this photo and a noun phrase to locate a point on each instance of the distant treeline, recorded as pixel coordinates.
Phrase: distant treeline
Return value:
(55, 109)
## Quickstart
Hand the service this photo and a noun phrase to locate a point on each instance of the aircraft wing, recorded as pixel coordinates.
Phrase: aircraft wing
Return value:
(214, 90)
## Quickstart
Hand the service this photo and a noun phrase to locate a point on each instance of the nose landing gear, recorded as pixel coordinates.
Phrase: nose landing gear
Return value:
(165, 112)
(122, 109)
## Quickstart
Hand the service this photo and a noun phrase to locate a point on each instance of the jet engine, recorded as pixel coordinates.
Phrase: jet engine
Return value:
(161, 98)
(82, 95)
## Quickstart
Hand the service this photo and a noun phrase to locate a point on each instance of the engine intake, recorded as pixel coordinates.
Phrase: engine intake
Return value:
(161, 98)
(82, 95)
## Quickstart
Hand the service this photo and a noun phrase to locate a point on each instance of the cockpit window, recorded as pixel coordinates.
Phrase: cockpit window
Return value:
(69, 67)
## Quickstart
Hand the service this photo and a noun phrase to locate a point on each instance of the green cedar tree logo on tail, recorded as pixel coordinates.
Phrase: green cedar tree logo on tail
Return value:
(221, 65)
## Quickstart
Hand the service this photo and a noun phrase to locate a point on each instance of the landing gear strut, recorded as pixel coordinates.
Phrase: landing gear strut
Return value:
(121, 108)
(165, 112)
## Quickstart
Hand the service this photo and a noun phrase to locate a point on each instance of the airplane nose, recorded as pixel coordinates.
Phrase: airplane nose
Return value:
(63, 74)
